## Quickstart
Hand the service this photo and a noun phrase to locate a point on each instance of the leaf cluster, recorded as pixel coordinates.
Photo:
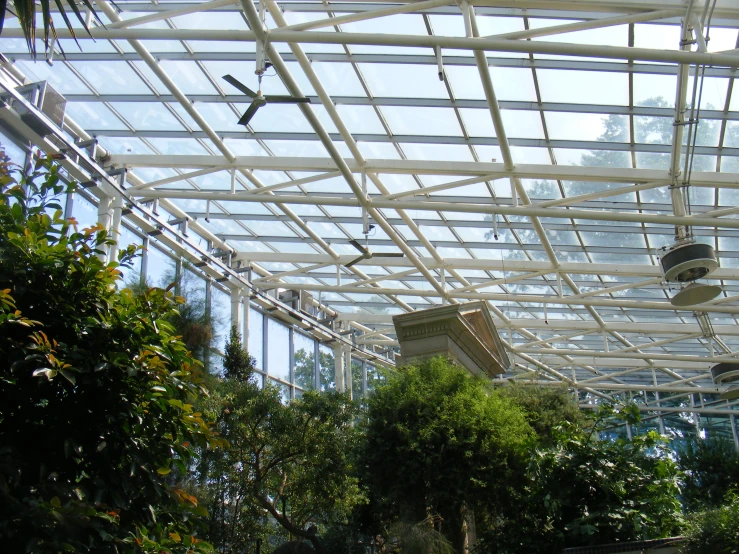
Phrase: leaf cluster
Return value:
(25, 10)
(96, 391)
(583, 491)
(545, 408)
(710, 469)
(714, 531)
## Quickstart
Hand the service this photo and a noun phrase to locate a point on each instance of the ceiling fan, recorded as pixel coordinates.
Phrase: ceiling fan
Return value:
(367, 255)
(259, 100)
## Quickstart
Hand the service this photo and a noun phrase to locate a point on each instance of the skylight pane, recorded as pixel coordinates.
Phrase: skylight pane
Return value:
(404, 81)
(450, 152)
(187, 76)
(509, 83)
(422, 121)
(147, 116)
(60, 77)
(91, 115)
(585, 126)
(339, 79)
(583, 87)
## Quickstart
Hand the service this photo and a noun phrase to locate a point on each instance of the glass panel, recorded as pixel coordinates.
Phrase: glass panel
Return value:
(148, 116)
(84, 212)
(278, 355)
(357, 379)
(326, 368)
(374, 378)
(129, 275)
(583, 87)
(158, 265)
(256, 336)
(16, 154)
(220, 310)
(284, 390)
(304, 361)
(111, 77)
(404, 81)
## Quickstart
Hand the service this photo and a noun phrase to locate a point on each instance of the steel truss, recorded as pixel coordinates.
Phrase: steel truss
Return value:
(566, 311)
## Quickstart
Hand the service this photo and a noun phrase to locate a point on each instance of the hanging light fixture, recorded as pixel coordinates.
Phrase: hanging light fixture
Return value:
(695, 293)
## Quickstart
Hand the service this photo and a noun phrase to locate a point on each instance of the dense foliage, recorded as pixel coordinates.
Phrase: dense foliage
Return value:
(714, 531)
(95, 390)
(440, 442)
(583, 491)
(545, 408)
(710, 469)
(192, 320)
(288, 463)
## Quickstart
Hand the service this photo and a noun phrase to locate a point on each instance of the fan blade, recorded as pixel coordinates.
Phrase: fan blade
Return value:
(388, 254)
(237, 84)
(359, 247)
(248, 114)
(287, 99)
(354, 261)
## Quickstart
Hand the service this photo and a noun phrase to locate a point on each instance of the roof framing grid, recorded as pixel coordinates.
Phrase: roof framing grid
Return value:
(597, 236)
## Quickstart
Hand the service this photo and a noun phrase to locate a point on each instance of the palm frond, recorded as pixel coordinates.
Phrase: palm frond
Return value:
(25, 11)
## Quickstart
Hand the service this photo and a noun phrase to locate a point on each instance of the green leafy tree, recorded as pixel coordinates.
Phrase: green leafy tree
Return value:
(583, 491)
(439, 441)
(287, 463)
(96, 391)
(710, 469)
(233, 521)
(545, 407)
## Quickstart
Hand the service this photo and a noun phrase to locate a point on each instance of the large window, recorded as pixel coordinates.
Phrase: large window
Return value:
(256, 337)
(326, 368)
(304, 361)
(357, 378)
(278, 350)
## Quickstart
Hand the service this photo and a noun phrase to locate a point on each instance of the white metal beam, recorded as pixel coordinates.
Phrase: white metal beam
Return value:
(159, 16)
(422, 41)
(427, 167)
(572, 300)
(631, 270)
(589, 24)
(445, 206)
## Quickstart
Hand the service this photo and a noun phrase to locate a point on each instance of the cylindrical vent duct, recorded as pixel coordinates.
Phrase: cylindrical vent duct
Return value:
(689, 262)
(726, 372)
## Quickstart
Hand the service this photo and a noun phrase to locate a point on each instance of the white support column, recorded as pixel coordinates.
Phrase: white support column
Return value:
(115, 227)
(246, 318)
(348, 371)
(236, 310)
(339, 367)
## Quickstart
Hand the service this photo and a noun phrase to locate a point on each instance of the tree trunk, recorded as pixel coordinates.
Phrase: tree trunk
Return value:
(461, 529)
(317, 544)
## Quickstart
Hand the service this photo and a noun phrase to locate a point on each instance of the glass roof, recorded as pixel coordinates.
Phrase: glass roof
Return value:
(537, 178)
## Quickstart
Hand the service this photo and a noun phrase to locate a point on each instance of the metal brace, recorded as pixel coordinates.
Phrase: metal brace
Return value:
(439, 62)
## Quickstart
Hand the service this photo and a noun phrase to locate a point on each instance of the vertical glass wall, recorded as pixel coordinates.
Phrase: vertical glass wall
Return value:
(304, 361)
(285, 357)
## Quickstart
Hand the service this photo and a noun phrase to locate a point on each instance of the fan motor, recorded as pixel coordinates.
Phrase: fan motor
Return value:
(725, 372)
(689, 262)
